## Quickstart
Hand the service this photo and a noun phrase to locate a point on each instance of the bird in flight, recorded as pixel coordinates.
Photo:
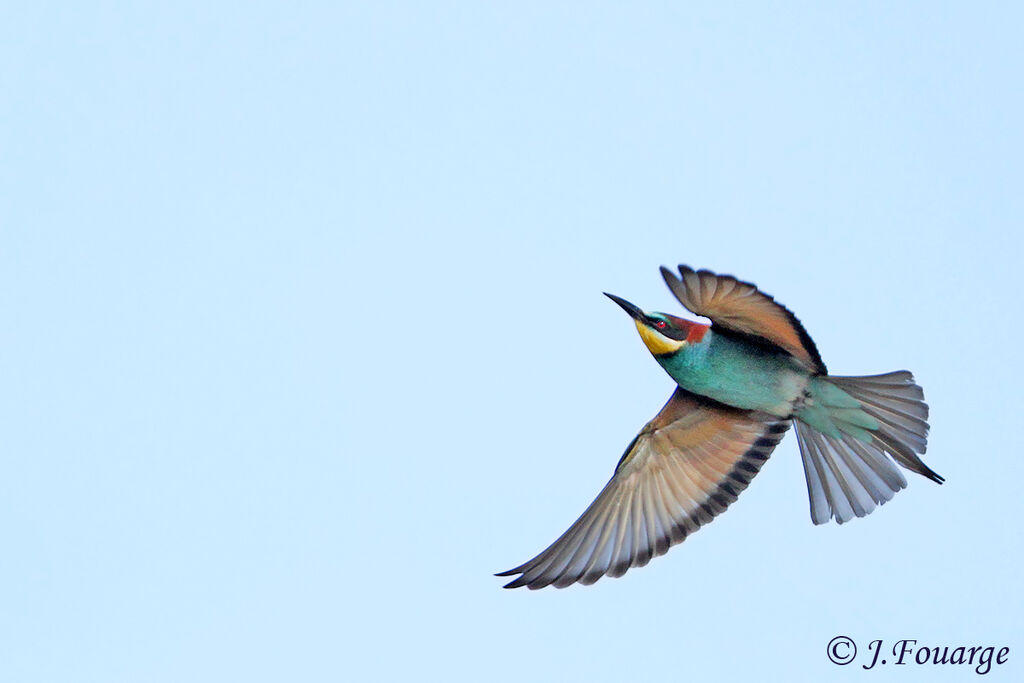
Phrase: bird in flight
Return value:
(741, 382)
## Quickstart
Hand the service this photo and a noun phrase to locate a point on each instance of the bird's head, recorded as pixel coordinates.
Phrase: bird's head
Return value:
(663, 334)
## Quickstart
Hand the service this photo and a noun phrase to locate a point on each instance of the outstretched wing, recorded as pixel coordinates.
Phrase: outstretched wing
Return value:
(742, 308)
(685, 467)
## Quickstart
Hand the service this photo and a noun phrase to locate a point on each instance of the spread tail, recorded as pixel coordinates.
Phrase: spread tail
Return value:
(846, 445)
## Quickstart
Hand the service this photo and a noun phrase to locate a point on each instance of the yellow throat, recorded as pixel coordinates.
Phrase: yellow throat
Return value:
(656, 342)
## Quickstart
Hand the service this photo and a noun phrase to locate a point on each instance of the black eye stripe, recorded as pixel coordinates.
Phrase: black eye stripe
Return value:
(668, 329)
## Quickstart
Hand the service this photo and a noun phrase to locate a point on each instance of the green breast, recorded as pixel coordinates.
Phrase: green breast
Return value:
(738, 373)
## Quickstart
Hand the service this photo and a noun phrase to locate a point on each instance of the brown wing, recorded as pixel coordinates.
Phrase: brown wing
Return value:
(685, 467)
(741, 307)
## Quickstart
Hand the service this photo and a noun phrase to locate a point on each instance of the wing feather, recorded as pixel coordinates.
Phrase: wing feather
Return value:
(685, 467)
(741, 308)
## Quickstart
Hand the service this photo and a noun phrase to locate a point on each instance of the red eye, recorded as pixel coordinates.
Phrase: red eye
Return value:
(660, 324)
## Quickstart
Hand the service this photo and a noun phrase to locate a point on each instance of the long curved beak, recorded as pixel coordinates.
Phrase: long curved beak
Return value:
(633, 311)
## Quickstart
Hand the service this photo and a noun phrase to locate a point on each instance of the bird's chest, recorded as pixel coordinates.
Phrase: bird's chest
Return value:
(739, 375)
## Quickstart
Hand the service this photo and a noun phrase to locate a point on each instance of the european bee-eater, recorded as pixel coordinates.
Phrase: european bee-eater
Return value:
(741, 382)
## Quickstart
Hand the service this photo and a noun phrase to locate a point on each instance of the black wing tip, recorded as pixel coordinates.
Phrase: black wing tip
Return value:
(516, 582)
(669, 277)
(536, 584)
(668, 274)
(685, 270)
(520, 580)
(932, 475)
(561, 581)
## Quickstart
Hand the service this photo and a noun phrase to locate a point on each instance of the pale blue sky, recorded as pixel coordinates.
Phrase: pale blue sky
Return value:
(304, 335)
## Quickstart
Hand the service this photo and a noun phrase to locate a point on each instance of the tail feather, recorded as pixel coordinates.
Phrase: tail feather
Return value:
(841, 481)
(898, 404)
(848, 476)
(902, 406)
